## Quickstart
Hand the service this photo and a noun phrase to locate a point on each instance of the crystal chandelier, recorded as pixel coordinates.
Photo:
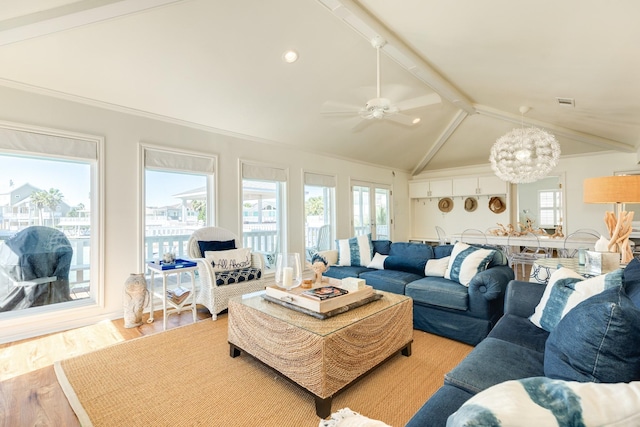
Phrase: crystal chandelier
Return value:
(524, 155)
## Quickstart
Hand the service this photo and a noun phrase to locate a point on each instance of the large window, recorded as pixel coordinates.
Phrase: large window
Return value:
(371, 210)
(49, 233)
(550, 208)
(178, 199)
(263, 210)
(319, 210)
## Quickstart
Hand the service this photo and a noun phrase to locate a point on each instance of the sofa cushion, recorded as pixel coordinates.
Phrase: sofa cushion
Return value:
(442, 251)
(520, 331)
(237, 276)
(467, 261)
(439, 406)
(389, 280)
(215, 245)
(357, 251)
(411, 250)
(534, 402)
(408, 264)
(596, 341)
(436, 267)
(440, 292)
(492, 362)
(565, 290)
(338, 272)
(381, 246)
(631, 279)
(378, 261)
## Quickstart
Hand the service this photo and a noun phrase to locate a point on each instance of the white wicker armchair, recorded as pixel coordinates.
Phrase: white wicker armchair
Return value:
(212, 296)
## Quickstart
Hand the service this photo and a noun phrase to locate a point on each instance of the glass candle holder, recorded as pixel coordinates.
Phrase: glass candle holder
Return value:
(288, 270)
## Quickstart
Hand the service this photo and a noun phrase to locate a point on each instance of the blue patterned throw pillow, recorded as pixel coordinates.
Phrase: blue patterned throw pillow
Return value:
(565, 290)
(541, 401)
(466, 261)
(357, 251)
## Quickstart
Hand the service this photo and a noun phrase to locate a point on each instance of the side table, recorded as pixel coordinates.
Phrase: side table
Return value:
(543, 268)
(179, 267)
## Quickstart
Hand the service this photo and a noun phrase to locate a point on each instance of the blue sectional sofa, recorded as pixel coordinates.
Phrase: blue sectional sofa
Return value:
(440, 306)
(595, 342)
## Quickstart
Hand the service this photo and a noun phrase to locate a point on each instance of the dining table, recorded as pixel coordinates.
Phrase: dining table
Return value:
(546, 241)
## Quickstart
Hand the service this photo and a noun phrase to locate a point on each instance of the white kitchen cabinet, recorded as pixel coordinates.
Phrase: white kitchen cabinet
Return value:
(425, 189)
(479, 186)
(465, 186)
(490, 185)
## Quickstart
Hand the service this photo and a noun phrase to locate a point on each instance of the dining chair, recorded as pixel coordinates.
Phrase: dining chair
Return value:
(473, 236)
(524, 255)
(586, 238)
(442, 235)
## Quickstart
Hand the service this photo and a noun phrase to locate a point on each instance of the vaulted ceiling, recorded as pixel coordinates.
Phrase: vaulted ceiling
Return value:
(218, 65)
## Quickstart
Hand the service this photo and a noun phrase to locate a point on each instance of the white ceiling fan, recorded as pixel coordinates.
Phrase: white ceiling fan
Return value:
(380, 107)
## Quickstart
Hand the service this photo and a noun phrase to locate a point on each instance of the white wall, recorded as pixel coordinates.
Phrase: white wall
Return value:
(123, 133)
(425, 213)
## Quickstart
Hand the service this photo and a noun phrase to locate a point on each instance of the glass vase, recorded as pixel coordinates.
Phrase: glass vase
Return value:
(288, 270)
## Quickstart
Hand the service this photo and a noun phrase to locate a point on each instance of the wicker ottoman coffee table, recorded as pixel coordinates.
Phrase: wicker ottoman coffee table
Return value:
(323, 356)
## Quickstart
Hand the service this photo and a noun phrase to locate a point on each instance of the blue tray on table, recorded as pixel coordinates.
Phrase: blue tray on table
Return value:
(179, 263)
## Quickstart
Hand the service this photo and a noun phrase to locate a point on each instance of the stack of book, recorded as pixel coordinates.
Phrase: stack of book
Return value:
(178, 295)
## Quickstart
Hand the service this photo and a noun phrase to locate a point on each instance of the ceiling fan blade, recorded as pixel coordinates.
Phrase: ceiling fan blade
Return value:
(338, 108)
(364, 123)
(420, 101)
(403, 119)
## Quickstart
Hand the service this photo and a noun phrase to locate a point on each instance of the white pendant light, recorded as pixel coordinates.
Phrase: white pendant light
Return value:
(524, 154)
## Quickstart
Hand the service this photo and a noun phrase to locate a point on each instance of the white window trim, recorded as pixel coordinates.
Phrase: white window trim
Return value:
(47, 319)
(257, 171)
(210, 159)
(319, 179)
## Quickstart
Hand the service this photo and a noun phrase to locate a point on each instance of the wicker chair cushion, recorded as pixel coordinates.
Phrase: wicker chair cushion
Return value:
(237, 276)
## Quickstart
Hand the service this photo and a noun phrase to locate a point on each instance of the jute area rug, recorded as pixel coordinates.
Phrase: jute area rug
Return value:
(185, 377)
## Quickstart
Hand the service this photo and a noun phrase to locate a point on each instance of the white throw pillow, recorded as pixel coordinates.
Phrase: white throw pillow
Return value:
(378, 261)
(541, 401)
(357, 251)
(437, 267)
(565, 290)
(467, 261)
(233, 259)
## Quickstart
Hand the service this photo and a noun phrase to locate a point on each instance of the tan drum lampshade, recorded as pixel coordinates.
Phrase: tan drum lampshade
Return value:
(618, 190)
(612, 189)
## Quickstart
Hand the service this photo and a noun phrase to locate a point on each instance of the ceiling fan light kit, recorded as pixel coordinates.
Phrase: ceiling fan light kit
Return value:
(524, 155)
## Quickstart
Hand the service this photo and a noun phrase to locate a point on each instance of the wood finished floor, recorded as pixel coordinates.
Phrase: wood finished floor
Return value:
(34, 398)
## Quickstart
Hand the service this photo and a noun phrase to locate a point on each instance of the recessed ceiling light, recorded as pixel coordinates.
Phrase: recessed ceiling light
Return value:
(416, 120)
(290, 56)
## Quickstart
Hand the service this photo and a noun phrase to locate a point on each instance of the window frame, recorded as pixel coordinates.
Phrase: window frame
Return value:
(212, 186)
(329, 184)
(257, 171)
(39, 320)
(556, 209)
